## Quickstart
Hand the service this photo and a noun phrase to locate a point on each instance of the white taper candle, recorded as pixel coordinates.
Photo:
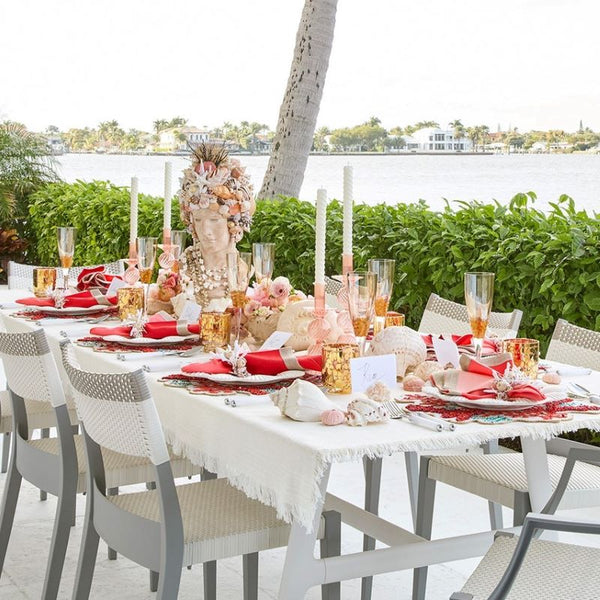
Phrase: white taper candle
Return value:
(320, 229)
(133, 210)
(348, 202)
(168, 194)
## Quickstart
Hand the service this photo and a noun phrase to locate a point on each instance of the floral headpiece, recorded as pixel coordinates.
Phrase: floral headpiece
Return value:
(219, 183)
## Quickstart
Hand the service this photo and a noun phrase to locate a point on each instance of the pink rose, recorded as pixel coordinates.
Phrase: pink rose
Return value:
(281, 288)
(171, 281)
(260, 292)
(250, 307)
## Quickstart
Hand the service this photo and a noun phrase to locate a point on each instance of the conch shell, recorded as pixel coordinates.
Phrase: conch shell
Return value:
(363, 410)
(302, 401)
(405, 343)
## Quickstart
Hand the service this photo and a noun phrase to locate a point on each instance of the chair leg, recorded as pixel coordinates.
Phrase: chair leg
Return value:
(495, 510)
(112, 554)
(153, 581)
(372, 469)
(9, 505)
(412, 475)
(45, 432)
(250, 570)
(209, 569)
(521, 507)
(58, 547)
(331, 545)
(424, 523)
(5, 451)
(87, 557)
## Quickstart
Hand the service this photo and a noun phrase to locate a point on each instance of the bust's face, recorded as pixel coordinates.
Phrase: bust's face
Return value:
(211, 230)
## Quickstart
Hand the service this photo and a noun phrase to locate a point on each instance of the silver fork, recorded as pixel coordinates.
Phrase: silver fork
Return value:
(394, 410)
(583, 392)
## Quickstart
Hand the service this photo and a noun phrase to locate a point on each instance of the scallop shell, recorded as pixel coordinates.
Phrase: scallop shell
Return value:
(405, 343)
(302, 401)
(426, 368)
(412, 383)
(363, 410)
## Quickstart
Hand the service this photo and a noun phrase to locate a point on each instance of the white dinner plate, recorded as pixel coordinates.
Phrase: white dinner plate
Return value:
(248, 380)
(143, 341)
(74, 310)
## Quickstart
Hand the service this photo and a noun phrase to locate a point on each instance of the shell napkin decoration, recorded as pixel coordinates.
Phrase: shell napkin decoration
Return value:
(405, 343)
(302, 401)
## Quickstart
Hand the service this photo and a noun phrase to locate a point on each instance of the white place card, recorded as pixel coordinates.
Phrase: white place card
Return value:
(366, 370)
(115, 284)
(275, 341)
(191, 312)
(446, 351)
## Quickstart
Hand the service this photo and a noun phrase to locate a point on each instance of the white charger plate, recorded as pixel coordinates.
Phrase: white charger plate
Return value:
(248, 380)
(143, 341)
(73, 310)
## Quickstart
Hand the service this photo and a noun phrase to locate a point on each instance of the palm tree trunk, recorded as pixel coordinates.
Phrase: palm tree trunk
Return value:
(300, 107)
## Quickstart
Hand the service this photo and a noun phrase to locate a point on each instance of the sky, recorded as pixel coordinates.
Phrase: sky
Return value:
(530, 64)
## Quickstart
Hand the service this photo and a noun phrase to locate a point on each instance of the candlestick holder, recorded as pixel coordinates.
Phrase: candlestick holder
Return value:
(132, 274)
(319, 327)
(347, 264)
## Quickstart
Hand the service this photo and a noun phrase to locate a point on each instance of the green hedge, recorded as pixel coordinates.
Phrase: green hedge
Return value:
(547, 264)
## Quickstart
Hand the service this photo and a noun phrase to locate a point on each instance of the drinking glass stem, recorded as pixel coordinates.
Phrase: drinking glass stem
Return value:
(361, 341)
(238, 323)
(478, 343)
(146, 291)
(65, 278)
(378, 325)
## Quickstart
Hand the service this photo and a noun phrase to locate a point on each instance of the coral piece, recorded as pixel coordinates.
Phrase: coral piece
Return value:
(332, 417)
(379, 392)
(302, 401)
(552, 378)
(427, 368)
(412, 383)
(405, 343)
(363, 410)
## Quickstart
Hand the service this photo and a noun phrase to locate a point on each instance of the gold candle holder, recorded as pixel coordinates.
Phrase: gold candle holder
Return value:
(525, 354)
(394, 319)
(129, 301)
(336, 367)
(44, 281)
(215, 329)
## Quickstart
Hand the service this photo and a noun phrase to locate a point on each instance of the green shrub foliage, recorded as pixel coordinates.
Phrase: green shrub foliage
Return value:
(546, 263)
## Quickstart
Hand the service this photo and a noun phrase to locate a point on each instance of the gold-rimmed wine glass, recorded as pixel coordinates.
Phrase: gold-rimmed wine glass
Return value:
(384, 268)
(238, 277)
(66, 249)
(263, 257)
(146, 255)
(362, 288)
(479, 293)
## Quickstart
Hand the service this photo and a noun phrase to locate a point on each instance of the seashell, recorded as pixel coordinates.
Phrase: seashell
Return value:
(427, 368)
(302, 401)
(379, 392)
(412, 383)
(552, 378)
(333, 416)
(363, 410)
(405, 343)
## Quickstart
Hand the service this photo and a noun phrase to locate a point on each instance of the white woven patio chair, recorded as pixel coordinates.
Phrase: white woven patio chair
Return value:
(171, 526)
(56, 465)
(501, 478)
(522, 568)
(20, 275)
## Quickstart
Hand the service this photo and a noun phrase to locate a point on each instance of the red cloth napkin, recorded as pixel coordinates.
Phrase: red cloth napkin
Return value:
(155, 330)
(268, 362)
(463, 341)
(486, 365)
(79, 300)
(94, 277)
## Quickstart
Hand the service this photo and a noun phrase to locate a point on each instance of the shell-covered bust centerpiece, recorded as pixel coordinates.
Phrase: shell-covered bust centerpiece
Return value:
(217, 205)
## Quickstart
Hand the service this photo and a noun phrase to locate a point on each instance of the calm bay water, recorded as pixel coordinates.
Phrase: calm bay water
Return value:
(387, 179)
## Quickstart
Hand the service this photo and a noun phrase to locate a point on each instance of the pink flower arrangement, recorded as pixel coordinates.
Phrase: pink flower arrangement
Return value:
(269, 297)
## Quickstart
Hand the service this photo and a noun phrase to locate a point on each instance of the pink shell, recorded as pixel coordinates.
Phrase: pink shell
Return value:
(412, 383)
(553, 378)
(166, 260)
(332, 417)
(131, 276)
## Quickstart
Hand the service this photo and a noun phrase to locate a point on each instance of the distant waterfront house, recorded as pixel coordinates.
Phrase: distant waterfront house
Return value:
(542, 147)
(434, 139)
(178, 138)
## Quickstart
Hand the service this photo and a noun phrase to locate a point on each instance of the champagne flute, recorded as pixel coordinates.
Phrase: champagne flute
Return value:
(384, 268)
(362, 288)
(479, 293)
(66, 249)
(238, 276)
(263, 256)
(178, 241)
(146, 253)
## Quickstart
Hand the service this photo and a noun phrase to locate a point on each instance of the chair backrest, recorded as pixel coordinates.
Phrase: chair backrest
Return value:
(332, 287)
(444, 316)
(20, 275)
(117, 410)
(575, 345)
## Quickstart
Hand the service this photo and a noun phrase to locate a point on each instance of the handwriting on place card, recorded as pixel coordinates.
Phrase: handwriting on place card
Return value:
(366, 370)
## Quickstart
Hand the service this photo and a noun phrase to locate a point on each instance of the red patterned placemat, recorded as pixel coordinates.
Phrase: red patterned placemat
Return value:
(560, 410)
(99, 345)
(36, 315)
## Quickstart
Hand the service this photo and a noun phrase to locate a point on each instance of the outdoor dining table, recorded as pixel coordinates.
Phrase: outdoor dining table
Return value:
(286, 464)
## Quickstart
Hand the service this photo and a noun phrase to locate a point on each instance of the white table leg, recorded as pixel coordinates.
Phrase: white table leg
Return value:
(538, 475)
(301, 570)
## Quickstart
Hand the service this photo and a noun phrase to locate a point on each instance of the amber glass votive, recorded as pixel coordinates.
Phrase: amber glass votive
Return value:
(394, 319)
(336, 367)
(215, 329)
(525, 354)
(129, 301)
(44, 280)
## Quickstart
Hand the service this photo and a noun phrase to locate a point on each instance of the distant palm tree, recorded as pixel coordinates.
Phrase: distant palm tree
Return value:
(458, 129)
